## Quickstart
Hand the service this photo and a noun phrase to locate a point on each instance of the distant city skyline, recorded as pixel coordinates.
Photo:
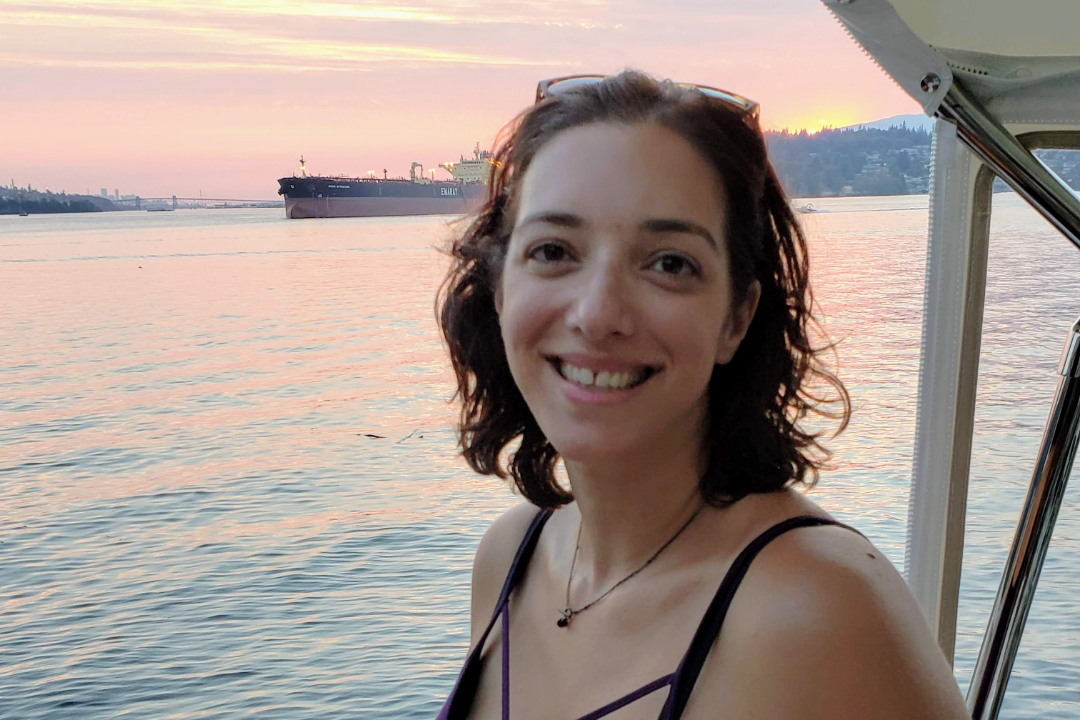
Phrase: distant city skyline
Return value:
(170, 97)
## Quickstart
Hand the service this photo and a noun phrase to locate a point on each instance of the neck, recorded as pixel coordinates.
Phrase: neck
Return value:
(628, 509)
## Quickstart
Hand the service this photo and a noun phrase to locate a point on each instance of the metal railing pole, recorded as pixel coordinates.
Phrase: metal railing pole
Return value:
(1012, 162)
(1032, 539)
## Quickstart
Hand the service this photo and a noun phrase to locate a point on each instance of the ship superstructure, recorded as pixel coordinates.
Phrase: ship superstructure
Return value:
(474, 169)
(312, 196)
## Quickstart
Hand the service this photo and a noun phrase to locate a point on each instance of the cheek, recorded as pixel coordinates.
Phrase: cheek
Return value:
(522, 332)
(691, 331)
(522, 317)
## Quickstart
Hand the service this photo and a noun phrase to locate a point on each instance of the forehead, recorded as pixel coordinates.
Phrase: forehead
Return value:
(614, 174)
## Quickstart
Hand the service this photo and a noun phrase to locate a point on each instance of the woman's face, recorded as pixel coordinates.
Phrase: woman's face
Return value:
(616, 300)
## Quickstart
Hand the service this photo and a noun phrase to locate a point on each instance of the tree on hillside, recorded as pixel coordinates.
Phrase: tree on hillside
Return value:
(851, 161)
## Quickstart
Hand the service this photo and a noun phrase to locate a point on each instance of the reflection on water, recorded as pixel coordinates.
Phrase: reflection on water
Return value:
(196, 520)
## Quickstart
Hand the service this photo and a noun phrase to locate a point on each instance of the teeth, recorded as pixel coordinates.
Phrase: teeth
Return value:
(602, 379)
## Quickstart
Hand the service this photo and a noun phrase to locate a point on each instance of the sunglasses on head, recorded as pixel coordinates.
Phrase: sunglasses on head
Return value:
(550, 88)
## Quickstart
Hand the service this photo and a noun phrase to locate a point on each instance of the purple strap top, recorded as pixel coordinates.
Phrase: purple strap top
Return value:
(681, 681)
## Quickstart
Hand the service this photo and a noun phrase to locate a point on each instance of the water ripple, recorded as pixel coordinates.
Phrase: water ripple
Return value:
(228, 484)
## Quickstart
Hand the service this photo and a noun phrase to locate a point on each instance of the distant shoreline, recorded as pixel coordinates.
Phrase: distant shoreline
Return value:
(48, 206)
(11, 206)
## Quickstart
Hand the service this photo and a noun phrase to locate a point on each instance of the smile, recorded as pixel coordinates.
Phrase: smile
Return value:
(603, 379)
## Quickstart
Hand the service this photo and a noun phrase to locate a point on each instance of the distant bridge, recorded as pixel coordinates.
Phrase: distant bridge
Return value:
(177, 203)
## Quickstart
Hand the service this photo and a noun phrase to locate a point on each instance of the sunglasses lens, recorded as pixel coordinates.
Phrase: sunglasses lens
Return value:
(566, 84)
(717, 95)
(738, 101)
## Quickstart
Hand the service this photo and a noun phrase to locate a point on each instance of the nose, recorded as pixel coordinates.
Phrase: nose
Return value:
(603, 306)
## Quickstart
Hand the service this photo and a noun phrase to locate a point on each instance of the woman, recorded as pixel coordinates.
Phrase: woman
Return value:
(633, 299)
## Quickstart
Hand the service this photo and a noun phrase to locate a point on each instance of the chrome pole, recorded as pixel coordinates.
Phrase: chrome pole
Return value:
(1032, 539)
(1012, 162)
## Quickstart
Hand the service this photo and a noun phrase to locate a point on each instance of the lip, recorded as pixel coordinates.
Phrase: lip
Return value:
(582, 395)
(601, 363)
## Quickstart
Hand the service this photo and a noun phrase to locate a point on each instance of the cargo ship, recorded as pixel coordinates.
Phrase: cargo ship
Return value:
(317, 196)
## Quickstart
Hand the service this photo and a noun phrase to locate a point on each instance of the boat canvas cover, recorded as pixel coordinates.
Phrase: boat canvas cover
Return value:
(1020, 60)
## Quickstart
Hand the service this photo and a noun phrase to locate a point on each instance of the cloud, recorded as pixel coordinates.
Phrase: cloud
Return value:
(451, 12)
(336, 35)
(237, 36)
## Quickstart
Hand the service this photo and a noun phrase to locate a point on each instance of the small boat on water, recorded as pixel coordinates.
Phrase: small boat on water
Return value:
(807, 208)
(23, 213)
(1001, 79)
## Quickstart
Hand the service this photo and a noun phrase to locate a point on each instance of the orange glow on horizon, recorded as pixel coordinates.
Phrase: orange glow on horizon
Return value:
(818, 121)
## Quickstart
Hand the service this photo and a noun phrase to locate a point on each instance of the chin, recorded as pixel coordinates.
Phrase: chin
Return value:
(588, 447)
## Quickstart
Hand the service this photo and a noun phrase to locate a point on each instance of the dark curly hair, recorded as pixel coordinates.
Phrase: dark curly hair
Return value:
(754, 437)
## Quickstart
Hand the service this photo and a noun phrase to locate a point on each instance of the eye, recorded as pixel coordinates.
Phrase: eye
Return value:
(675, 265)
(548, 252)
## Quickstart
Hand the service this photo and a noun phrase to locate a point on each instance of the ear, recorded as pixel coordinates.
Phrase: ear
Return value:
(737, 324)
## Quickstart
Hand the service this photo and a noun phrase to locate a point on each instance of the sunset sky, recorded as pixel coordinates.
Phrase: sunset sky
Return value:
(163, 98)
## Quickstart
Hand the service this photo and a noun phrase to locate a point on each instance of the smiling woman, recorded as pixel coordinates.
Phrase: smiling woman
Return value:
(631, 264)
(634, 300)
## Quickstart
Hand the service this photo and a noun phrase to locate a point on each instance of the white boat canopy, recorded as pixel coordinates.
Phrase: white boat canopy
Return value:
(1020, 61)
(1003, 78)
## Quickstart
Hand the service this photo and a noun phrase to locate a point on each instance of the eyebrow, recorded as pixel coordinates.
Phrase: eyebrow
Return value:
(674, 225)
(652, 225)
(554, 218)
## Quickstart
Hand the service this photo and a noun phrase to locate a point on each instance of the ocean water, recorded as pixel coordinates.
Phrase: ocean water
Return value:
(228, 482)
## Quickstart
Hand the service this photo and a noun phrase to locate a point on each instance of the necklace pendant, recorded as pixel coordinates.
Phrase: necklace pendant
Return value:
(565, 619)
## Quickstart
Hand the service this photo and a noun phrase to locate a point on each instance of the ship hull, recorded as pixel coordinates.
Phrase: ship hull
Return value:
(322, 197)
(327, 207)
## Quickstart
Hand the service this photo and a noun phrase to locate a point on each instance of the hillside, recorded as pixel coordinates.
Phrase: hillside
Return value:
(852, 161)
(871, 161)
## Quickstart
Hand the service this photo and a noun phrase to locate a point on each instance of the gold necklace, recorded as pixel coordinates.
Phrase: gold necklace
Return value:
(568, 613)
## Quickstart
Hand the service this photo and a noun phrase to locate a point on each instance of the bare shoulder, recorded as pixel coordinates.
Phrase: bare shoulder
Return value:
(493, 559)
(823, 626)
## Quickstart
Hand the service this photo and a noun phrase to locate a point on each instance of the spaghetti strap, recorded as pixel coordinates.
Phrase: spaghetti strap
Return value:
(690, 667)
(629, 698)
(681, 682)
(460, 700)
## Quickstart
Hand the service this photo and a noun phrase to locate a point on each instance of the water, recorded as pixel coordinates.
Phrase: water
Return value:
(196, 522)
